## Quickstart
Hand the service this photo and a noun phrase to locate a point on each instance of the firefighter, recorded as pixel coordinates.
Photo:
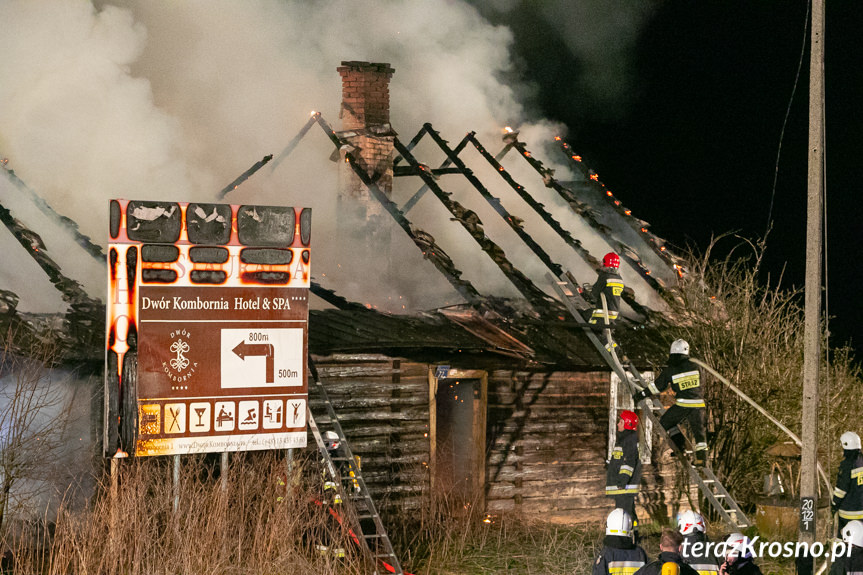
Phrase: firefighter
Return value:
(691, 525)
(848, 495)
(852, 535)
(620, 555)
(610, 284)
(685, 380)
(738, 557)
(669, 560)
(624, 468)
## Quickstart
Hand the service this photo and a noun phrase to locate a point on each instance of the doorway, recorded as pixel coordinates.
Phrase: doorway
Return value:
(458, 419)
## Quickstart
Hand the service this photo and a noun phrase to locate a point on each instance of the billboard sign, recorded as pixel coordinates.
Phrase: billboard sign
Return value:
(207, 332)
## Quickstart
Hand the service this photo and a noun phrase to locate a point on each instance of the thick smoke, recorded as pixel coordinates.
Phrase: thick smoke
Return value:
(172, 100)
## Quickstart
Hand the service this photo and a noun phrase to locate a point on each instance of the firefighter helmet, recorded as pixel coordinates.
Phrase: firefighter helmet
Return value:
(680, 346)
(850, 440)
(689, 522)
(331, 440)
(618, 523)
(611, 260)
(630, 419)
(737, 545)
(852, 533)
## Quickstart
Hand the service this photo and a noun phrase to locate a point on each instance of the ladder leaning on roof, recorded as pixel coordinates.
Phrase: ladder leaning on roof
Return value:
(703, 477)
(371, 535)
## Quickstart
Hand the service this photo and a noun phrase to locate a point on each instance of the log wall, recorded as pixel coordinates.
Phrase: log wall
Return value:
(546, 439)
(382, 404)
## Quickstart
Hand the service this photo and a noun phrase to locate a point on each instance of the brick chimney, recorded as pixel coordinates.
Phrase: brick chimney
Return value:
(365, 115)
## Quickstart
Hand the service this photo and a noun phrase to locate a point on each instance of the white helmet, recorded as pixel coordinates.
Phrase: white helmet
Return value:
(331, 440)
(680, 346)
(852, 533)
(850, 440)
(689, 522)
(618, 523)
(737, 546)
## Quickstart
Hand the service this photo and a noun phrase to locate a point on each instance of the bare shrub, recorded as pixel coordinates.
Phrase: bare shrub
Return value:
(750, 329)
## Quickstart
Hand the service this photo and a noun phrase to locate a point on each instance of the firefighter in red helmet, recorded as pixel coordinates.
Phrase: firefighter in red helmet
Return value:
(608, 284)
(624, 467)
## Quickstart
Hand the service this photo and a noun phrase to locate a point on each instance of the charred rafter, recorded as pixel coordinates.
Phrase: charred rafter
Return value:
(539, 208)
(293, 143)
(472, 224)
(424, 241)
(512, 221)
(245, 176)
(445, 165)
(584, 211)
(80, 239)
(84, 313)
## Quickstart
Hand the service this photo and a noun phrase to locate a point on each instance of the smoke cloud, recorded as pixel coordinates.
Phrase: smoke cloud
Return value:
(172, 100)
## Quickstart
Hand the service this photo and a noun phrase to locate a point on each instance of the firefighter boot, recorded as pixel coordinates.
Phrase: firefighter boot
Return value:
(700, 457)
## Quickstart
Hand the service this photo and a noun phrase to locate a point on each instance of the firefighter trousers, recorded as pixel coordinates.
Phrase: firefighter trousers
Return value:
(675, 415)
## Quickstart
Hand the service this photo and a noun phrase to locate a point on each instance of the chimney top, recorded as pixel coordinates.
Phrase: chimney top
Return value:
(358, 66)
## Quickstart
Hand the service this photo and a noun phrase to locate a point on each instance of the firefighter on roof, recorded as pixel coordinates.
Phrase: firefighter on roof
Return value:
(848, 494)
(691, 526)
(624, 467)
(619, 555)
(608, 284)
(685, 381)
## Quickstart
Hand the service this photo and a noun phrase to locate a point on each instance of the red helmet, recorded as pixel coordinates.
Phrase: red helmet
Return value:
(611, 260)
(630, 419)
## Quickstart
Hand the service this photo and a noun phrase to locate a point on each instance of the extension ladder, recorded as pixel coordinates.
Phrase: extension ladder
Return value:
(370, 532)
(712, 489)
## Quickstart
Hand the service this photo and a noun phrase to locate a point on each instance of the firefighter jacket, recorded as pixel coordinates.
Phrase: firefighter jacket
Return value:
(702, 561)
(848, 494)
(624, 467)
(845, 565)
(619, 556)
(685, 381)
(610, 283)
(655, 567)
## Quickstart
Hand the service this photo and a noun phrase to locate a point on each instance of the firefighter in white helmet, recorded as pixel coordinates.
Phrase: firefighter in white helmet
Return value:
(619, 555)
(738, 556)
(685, 381)
(847, 500)
(852, 534)
(691, 525)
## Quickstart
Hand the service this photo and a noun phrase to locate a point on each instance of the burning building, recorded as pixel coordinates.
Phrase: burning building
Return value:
(477, 386)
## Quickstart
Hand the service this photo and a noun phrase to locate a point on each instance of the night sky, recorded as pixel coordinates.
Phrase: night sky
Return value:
(690, 141)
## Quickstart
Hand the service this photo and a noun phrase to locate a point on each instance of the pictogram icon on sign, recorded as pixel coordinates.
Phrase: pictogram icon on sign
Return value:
(297, 413)
(175, 418)
(249, 413)
(274, 414)
(226, 414)
(199, 417)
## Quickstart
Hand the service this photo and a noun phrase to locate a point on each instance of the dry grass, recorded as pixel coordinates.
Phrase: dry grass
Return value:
(253, 525)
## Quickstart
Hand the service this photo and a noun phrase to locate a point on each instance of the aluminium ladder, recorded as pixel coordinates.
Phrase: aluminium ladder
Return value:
(703, 477)
(371, 535)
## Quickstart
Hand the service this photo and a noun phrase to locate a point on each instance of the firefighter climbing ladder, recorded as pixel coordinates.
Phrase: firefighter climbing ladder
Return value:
(704, 478)
(370, 532)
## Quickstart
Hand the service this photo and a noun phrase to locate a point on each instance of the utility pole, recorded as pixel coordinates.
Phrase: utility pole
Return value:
(812, 300)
